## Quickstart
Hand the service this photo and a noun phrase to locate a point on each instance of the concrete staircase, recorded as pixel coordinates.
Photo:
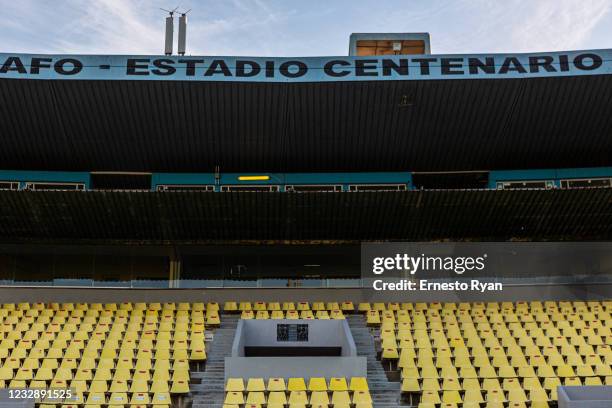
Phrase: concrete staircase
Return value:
(385, 394)
(210, 392)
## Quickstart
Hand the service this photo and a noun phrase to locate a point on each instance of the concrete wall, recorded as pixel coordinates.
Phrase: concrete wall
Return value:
(262, 333)
(585, 397)
(510, 293)
(321, 333)
(287, 367)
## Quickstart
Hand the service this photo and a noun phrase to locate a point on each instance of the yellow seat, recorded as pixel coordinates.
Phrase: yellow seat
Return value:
(256, 397)
(234, 397)
(516, 405)
(119, 386)
(593, 381)
(24, 374)
(277, 397)
(255, 384)
(276, 384)
(118, 398)
(6, 373)
(451, 396)
(362, 398)
(139, 385)
(341, 398)
(572, 381)
(95, 399)
(517, 395)
(473, 396)
(319, 398)
(179, 387)
(430, 397)
(495, 395)
(338, 384)
(296, 384)
(565, 371)
(317, 384)
(234, 384)
(451, 384)
(538, 395)
(161, 398)
(297, 397)
(410, 385)
(98, 386)
(358, 384)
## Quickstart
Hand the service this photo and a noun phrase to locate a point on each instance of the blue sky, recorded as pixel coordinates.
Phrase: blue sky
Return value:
(302, 27)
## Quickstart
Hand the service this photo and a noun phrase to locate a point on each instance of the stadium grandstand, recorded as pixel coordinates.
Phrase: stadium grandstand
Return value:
(184, 231)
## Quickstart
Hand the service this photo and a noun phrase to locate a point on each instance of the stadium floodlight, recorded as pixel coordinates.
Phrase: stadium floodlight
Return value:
(182, 34)
(169, 31)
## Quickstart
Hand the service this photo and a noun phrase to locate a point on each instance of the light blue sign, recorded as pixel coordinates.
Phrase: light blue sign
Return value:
(308, 69)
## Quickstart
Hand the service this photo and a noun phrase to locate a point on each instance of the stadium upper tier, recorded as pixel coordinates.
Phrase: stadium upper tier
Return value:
(327, 114)
(127, 216)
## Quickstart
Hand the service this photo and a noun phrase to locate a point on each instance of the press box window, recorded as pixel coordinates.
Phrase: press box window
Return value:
(178, 187)
(254, 189)
(314, 188)
(518, 185)
(121, 181)
(292, 332)
(55, 186)
(585, 183)
(377, 187)
(9, 185)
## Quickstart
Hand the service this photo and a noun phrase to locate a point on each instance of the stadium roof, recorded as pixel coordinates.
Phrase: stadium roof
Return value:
(183, 217)
(102, 113)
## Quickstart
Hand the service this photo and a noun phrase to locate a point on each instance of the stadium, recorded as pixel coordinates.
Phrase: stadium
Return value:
(181, 231)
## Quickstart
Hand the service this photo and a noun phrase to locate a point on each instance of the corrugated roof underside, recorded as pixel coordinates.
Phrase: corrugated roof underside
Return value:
(308, 127)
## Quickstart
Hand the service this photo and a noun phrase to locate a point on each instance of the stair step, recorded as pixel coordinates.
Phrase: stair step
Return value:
(210, 392)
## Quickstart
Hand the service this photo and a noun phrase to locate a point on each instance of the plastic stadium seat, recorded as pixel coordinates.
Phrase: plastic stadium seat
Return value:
(341, 398)
(276, 384)
(277, 397)
(451, 397)
(593, 381)
(235, 384)
(234, 397)
(431, 397)
(296, 384)
(160, 398)
(95, 399)
(297, 397)
(410, 385)
(358, 384)
(317, 384)
(338, 384)
(256, 397)
(288, 306)
(319, 398)
(255, 384)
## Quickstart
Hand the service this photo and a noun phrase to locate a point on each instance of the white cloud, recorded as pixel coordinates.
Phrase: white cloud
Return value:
(522, 26)
(559, 24)
(313, 27)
